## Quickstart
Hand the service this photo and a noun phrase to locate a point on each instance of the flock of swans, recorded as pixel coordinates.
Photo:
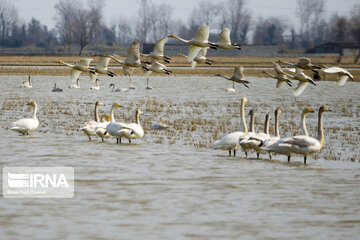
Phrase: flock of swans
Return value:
(246, 139)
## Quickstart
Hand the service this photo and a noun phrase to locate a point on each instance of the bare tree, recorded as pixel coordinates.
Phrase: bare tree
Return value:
(143, 24)
(124, 33)
(82, 28)
(95, 18)
(8, 17)
(206, 12)
(355, 27)
(159, 21)
(269, 31)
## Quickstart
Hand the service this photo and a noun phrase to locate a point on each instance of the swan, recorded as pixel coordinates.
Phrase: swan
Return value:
(100, 128)
(148, 87)
(113, 128)
(200, 58)
(89, 127)
(303, 79)
(76, 85)
(132, 61)
(133, 130)
(230, 141)
(81, 66)
(27, 125)
(237, 77)
(117, 89)
(243, 141)
(56, 89)
(101, 68)
(97, 86)
(272, 139)
(304, 63)
(306, 145)
(256, 141)
(343, 75)
(26, 84)
(159, 126)
(158, 68)
(158, 52)
(199, 41)
(225, 42)
(281, 76)
(277, 144)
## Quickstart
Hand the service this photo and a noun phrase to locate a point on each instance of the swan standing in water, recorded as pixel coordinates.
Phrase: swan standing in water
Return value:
(81, 66)
(158, 52)
(230, 141)
(243, 141)
(89, 127)
(26, 125)
(26, 84)
(133, 130)
(132, 61)
(56, 89)
(237, 77)
(343, 75)
(97, 86)
(200, 58)
(117, 89)
(114, 128)
(281, 76)
(304, 63)
(273, 139)
(225, 41)
(199, 41)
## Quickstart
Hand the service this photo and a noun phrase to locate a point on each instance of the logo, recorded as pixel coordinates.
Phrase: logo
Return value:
(38, 182)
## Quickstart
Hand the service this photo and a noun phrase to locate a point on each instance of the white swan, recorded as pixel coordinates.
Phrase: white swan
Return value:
(89, 127)
(199, 41)
(200, 58)
(225, 41)
(303, 79)
(26, 84)
(158, 68)
(158, 52)
(132, 61)
(81, 66)
(159, 126)
(27, 125)
(281, 76)
(278, 146)
(133, 130)
(100, 128)
(113, 128)
(117, 89)
(230, 141)
(96, 86)
(56, 89)
(343, 75)
(237, 77)
(102, 68)
(76, 85)
(304, 63)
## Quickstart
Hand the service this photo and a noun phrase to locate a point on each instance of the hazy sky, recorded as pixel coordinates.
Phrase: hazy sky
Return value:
(43, 10)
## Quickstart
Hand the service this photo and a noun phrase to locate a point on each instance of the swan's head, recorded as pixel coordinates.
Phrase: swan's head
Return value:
(105, 118)
(308, 110)
(99, 103)
(138, 111)
(116, 105)
(33, 104)
(251, 112)
(172, 36)
(268, 116)
(244, 99)
(277, 111)
(111, 85)
(324, 109)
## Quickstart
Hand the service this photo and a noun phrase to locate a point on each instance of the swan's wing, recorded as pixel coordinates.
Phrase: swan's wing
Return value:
(202, 53)
(293, 70)
(128, 70)
(74, 75)
(203, 34)
(338, 70)
(280, 83)
(159, 46)
(193, 64)
(300, 88)
(134, 51)
(84, 62)
(193, 51)
(342, 80)
(104, 62)
(93, 77)
(298, 70)
(278, 69)
(239, 72)
(159, 65)
(224, 36)
(300, 141)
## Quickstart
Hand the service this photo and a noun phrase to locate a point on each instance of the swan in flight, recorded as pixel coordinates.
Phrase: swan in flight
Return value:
(158, 52)
(158, 68)
(133, 130)
(132, 61)
(199, 41)
(237, 77)
(26, 84)
(272, 139)
(101, 68)
(200, 58)
(230, 141)
(56, 89)
(281, 76)
(100, 128)
(304, 63)
(225, 42)
(277, 146)
(89, 127)
(148, 87)
(343, 75)
(117, 89)
(27, 125)
(81, 66)
(97, 86)
(303, 79)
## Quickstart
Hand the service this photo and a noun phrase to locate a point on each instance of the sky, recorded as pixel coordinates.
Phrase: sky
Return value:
(44, 11)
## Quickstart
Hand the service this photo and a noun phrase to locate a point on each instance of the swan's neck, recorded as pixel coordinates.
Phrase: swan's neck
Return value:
(137, 117)
(224, 76)
(243, 120)
(97, 83)
(35, 111)
(78, 82)
(147, 82)
(233, 85)
(113, 88)
(29, 81)
(67, 64)
(112, 119)
(303, 124)
(96, 113)
(180, 39)
(320, 130)
(277, 131)
(267, 122)
(252, 122)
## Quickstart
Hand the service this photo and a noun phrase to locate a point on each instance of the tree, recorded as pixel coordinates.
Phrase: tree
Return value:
(124, 35)
(8, 18)
(269, 31)
(95, 18)
(143, 24)
(82, 28)
(355, 27)
(159, 21)
(206, 12)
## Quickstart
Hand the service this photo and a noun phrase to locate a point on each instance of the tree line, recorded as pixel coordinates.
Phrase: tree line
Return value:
(80, 24)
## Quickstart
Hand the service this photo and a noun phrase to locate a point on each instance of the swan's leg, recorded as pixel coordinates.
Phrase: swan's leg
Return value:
(102, 139)
(129, 140)
(89, 138)
(117, 140)
(245, 153)
(234, 153)
(270, 156)
(305, 159)
(289, 158)
(229, 153)
(258, 155)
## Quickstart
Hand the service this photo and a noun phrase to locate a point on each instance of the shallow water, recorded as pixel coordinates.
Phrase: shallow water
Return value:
(170, 184)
